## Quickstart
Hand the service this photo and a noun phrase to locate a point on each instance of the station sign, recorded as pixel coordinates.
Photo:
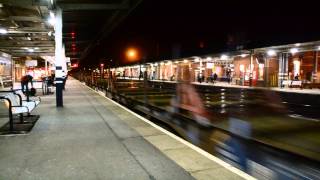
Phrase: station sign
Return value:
(31, 63)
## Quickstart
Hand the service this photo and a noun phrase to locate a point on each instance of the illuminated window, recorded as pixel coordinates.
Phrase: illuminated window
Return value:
(261, 69)
(241, 68)
(296, 67)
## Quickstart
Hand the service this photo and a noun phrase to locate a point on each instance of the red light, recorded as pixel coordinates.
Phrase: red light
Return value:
(74, 65)
(73, 45)
(73, 33)
(73, 49)
(101, 65)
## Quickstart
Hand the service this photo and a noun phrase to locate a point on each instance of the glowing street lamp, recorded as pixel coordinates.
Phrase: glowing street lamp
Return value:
(131, 54)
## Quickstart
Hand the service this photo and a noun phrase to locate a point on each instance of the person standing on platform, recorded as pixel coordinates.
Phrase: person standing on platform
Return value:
(229, 76)
(25, 83)
(215, 77)
(199, 78)
(65, 77)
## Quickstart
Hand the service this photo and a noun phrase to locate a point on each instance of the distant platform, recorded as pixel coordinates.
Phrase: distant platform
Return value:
(314, 91)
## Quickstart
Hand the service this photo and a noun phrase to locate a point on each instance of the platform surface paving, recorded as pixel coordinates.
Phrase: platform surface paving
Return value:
(93, 138)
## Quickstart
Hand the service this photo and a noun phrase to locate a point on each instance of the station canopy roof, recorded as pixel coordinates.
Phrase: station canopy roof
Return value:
(25, 29)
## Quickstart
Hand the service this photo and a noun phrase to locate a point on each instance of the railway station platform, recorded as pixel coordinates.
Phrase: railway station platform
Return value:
(314, 91)
(92, 137)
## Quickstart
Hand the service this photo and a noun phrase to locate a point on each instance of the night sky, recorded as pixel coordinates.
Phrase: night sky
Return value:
(165, 29)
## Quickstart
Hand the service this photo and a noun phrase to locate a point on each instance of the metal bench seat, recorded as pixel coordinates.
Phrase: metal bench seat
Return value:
(17, 108)
(34, 100)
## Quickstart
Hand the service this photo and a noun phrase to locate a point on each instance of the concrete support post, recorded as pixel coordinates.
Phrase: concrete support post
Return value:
(59, 59)
(171, 71)
(283, 68)
(46, 67)
(140, 72)
(266, 72)
(315, 67)
(13, 71)
(200, 68)
(160, 71)
(251, 69)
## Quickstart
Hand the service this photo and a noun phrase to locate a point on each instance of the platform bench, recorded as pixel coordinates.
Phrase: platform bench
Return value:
(16, 106)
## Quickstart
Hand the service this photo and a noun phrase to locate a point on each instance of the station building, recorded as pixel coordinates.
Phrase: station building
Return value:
(12, 69)
(292, 65)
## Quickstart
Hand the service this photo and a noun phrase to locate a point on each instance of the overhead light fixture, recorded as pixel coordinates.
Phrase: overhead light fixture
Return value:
(319, 48)
(3, 31)
(185, 61)
(209, 58)
(243, 55)
(29, 38)
(30, 50)
(36, 48)
(51, 14)
(224, 57)
(293, 50)
(1, 5)
(197, 60)
(271, 52)
(297, 44)
(50, 33)
(52, 19)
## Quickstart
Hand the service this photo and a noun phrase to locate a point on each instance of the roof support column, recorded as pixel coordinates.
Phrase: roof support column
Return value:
(283, 68)
(251, 69)
(59, 58)
(315, 67)
(266, 71)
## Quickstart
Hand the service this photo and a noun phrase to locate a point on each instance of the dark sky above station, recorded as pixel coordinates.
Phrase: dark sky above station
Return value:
(166, 29)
